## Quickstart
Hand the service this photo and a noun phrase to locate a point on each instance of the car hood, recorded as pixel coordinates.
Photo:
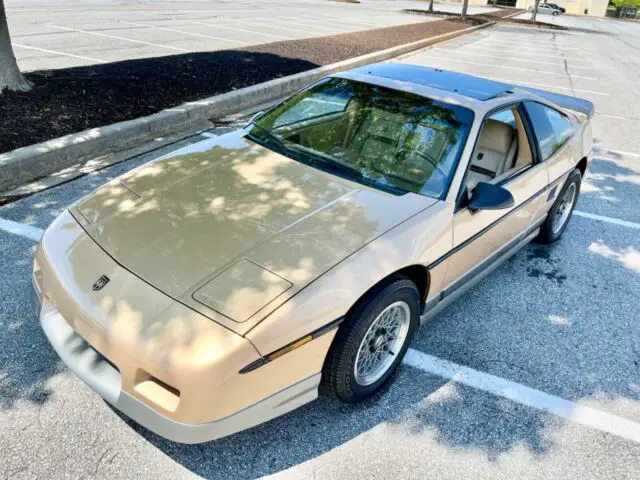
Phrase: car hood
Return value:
(233, 229)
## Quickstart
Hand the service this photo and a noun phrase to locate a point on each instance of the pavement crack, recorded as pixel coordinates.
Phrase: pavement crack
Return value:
(511, 365)
(97, 467)
(566, 69)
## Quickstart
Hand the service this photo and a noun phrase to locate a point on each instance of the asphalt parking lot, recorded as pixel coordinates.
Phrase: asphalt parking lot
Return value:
(55, 34)
(552, 337)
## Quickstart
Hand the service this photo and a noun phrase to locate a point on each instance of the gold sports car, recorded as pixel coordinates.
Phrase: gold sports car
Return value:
(226, 283)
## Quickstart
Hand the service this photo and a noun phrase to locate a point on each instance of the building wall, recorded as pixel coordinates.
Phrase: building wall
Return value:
(595, 8)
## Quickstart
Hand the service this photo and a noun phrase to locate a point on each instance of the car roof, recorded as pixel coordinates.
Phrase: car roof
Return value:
(462, 84)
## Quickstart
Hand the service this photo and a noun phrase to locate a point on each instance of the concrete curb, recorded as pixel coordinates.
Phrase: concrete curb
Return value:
(27, 164)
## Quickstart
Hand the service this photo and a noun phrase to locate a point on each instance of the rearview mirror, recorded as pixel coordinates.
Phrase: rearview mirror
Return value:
(487, 196)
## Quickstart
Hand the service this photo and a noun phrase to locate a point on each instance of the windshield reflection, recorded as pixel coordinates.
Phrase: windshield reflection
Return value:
(391, 140)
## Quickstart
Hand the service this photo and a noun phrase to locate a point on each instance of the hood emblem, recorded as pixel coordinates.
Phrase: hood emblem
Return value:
(100, 283)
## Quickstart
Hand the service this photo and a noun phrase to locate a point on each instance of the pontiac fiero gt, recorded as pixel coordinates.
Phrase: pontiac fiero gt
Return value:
(222, 285)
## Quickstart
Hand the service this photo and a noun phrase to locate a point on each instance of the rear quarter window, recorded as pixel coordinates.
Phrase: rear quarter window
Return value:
(552, 128)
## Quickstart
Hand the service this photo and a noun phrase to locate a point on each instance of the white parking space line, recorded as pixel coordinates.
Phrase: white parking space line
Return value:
(183, 32)
(208, 134)
(216, 25)
(535, 84)
(615, 152)
(522, 69)
(493, 50)
(301, 27)
(617, 117)
(334, 20)
(523, 46)
(270, 23)
(116, 37)
(476, 54)
(524, 395)
(27, 231)
(55, 52)
(602, 218)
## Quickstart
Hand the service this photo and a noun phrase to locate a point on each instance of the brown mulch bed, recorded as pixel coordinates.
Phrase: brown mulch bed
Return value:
(70, 100)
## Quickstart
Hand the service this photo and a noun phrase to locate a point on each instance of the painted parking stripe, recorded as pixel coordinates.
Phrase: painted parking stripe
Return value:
(338, 20)
(617, 117)
(536, 84)
(615, 152)
(184, 32)
(27, 231)
(55, 52)
(476, 54)
(525, 46)
(522, 69)
(524, 395)
(271, 23)
(217, 25)
(116, 37)
(475, 47)
(602, 218)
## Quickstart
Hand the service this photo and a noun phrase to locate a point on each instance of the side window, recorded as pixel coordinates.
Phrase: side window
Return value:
(552, 128)
(496, 149)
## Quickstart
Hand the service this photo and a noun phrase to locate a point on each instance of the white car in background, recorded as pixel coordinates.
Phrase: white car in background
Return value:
(548, 9)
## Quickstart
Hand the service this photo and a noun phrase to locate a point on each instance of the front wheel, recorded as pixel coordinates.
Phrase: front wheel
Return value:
(372, 341)
(555, 14)
(561, 211)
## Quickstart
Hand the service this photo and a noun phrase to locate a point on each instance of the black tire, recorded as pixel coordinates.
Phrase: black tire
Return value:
(555, 14)
(338, 375)
(547, 234)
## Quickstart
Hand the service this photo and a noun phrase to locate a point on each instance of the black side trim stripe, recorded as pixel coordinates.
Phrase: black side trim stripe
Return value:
(486, 229)
(509, 247)
(292, 346)
(489, 227)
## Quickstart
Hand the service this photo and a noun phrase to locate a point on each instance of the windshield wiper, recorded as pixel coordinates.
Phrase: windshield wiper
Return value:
(272, 137)
(314, 157)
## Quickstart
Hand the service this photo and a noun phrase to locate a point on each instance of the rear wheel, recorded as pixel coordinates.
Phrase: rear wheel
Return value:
(372, 341)
(561, 211)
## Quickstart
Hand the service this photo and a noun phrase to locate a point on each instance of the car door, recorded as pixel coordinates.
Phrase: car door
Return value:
(481, 237)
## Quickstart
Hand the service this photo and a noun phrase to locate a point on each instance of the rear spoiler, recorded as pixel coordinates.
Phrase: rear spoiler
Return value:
(564, 101)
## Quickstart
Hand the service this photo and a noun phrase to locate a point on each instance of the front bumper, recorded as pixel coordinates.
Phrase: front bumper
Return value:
(104, 378)
(167, 367)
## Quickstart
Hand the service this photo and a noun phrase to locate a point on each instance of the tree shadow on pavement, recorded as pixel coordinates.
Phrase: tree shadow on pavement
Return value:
(409, 406)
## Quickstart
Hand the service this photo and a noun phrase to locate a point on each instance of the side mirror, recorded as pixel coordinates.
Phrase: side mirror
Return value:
(487, 196)
(255, 117)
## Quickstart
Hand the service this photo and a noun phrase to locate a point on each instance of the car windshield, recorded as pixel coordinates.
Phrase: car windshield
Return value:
(391, 140)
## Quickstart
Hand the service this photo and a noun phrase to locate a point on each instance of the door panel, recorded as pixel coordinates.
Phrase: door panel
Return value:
(562, 161)
(477, 236)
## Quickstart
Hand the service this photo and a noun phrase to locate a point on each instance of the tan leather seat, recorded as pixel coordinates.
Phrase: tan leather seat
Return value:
(494, 153)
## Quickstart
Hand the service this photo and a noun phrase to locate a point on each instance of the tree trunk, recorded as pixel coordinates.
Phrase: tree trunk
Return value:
(465, 5)
(10, 76)
(535, 11)
(430, 6)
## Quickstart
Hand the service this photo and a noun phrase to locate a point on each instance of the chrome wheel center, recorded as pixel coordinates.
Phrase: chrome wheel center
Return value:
(382, 342)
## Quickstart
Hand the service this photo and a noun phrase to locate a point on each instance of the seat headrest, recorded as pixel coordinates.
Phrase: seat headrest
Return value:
(496, 136)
